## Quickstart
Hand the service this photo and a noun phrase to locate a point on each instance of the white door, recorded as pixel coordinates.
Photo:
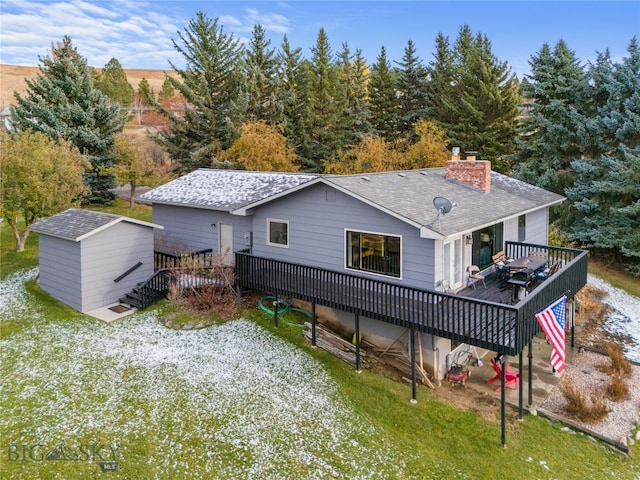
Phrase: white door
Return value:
(452, 262)
(225, 244)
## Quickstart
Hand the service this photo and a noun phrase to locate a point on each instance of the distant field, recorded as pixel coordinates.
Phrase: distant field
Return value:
(12, 79)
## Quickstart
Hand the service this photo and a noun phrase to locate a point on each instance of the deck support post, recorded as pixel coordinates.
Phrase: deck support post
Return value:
(503, 399)
(530, 368)
(238, 296)
(572, 319)
(520, 386)
(412, 346)
(313, 324)
(356, 339)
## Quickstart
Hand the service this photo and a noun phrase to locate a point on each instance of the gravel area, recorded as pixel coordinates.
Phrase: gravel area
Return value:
(619, 425)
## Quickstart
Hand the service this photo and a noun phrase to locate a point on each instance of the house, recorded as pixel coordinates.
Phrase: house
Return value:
(382, 227)
(90, 259)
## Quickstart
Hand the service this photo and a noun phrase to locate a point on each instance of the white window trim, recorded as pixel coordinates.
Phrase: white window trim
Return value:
(275, 220)
(357, 271)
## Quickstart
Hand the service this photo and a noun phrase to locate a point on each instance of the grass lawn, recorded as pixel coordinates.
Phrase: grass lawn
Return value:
(239, 399)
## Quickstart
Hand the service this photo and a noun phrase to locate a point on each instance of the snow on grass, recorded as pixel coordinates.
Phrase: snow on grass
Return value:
(624, 317)
(229, 401)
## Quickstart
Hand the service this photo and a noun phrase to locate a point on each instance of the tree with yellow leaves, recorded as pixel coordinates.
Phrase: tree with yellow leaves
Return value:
(372, 154)
(429, 151)
(132, 165)
(39, 178)
(260, 147)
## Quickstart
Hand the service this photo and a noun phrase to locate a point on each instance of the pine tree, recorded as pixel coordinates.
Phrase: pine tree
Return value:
(411, 87)
(261, 84)
(63, 103)
(209, 84)
(167, 91)
(383, 98)
(549, 139)
(474, 97)
(112, 81)
(327, 129)
(295, 75)
(354, 76)
(145, 91)
(606, 192)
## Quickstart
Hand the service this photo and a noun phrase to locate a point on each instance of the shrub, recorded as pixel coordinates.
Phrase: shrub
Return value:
(618, 365)
(590, 411)
(617, 390)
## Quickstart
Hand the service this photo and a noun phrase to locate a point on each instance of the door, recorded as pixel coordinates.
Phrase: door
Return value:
(452, 262)
(225, 244)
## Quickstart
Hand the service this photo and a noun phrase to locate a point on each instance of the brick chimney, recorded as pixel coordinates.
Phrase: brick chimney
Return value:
(472, 172)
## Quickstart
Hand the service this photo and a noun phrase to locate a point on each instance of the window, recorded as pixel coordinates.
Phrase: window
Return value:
(278, 233)
(373, 252)
(486, 243)
(522, 228)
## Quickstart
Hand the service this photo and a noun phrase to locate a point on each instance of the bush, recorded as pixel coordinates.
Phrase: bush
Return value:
(619, 365)
(579, 407)
(617, 390)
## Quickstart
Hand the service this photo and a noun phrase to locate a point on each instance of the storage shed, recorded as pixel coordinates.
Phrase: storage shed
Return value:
(90, 259)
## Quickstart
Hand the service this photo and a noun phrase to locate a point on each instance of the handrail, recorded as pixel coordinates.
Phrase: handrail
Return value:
(135, 267)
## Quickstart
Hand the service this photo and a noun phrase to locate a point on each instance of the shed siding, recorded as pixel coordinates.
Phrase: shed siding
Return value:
(318, 217)
(189, 229)
(107, 255)
(60, 270)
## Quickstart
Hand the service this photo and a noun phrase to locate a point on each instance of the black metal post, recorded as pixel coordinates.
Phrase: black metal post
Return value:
(313, 323)
(357, 340)
(520, 386)
(238, 296)
(412, 345)
(503, 407)
(572, 316)
(530, 368)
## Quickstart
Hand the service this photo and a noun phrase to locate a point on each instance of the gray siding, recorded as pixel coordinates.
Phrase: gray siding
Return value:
(108, 254)
(537, 225)
(60, 270)
(318, 217)
(189, 229)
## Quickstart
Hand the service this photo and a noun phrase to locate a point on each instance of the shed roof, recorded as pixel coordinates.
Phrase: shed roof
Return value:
(225, 190)
(77, 224)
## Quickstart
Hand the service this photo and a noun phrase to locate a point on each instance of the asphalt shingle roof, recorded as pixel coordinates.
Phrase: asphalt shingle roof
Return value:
(224, 189)
(408, 195)
(75, 223)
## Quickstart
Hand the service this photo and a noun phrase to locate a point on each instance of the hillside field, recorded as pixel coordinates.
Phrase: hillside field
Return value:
(12, 79)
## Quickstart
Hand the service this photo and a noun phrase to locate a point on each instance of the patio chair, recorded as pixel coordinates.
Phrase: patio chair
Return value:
(475, 276)
(510, 378)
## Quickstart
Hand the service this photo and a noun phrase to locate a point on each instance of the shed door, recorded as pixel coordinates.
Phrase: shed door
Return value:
(225, 244)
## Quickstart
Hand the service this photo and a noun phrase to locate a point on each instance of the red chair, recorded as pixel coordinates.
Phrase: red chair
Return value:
(510, 378)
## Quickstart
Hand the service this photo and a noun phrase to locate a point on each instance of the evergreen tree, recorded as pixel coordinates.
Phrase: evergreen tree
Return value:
(606, 192)
(327, 129)
(474, 97)
(354, 76)
(383, 98)
(411, 87)
(261, 87)
(145, 92)
(209, 84)
(63, 103)
(112, 81)
(550, 137)
(167, 91)
(295, 75)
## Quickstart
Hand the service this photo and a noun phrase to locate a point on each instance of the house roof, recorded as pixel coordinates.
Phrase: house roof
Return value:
(77, 224)
(406, 195)
(225, 190)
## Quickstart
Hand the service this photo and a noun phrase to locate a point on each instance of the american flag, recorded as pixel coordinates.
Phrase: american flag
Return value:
(552, 321)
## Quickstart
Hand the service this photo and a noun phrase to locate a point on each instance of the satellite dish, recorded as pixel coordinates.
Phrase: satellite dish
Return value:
(443, 206)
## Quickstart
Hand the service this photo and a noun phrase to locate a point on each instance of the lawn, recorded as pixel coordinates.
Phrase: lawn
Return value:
(240, 399)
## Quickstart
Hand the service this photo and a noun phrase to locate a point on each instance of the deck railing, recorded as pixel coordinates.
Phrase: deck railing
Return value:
(494, 326)
(166, 260)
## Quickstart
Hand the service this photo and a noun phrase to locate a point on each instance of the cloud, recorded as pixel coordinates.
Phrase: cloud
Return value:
(125, 29)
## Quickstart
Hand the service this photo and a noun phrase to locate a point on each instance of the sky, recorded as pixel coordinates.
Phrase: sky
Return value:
(139, 33)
